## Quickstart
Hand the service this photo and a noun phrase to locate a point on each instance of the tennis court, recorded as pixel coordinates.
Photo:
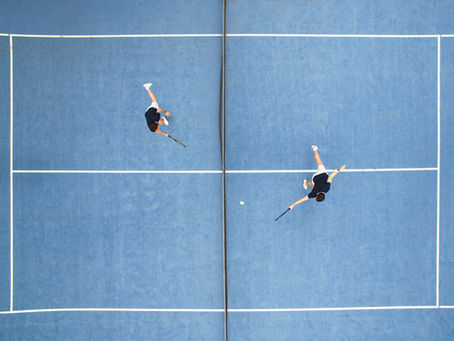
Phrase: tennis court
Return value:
(111, 232)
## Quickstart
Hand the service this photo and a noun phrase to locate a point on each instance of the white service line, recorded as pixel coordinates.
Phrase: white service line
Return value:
(118, 171)
(207, 35)
(262, 171)
(30, 311)
(438, 166)
(11, 243)
(359, 170)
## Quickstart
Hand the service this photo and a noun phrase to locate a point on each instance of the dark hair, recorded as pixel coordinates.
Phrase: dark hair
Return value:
(153, 127)
(320, 196)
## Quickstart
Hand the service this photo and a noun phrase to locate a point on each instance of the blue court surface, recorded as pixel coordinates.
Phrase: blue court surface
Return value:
(111, 232)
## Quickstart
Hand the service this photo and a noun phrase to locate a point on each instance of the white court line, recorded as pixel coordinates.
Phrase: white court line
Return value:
(207, 35)
(330, 309)
(232, 171)
(4, 35)
(262, 171)
(118, 171)
(29, 311)
(265, 310)
(438, 165)
(303, 35)
(202, 35)
(11, 243)
(331, 170)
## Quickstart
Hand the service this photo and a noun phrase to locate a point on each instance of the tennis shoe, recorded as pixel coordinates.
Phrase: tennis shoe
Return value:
(147, 85)
(314, 147)
(165, 121)
(305, 184)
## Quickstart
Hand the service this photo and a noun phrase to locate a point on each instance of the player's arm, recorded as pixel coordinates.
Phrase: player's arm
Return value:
(161, 133)
(333, 174)
(158, 131)
(299, 202)
(164, 111)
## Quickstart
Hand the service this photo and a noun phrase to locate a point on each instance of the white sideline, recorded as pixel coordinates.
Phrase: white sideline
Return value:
(203, 35)
(309, 35)
(264, 310)
(207, 35)
(28, 311)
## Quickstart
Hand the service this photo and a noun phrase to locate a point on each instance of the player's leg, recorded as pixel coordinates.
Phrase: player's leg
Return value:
(163, 120)
(151, 94)
(305, 183)
(317, 156)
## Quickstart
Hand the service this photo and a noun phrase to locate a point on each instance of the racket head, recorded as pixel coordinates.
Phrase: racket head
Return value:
(179, 142)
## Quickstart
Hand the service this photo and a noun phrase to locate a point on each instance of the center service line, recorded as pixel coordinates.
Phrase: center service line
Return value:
(264, 171)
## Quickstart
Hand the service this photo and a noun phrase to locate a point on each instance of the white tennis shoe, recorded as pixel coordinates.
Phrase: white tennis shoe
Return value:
(314, 147)
(165, 121)
(305, 184)
(147, 85)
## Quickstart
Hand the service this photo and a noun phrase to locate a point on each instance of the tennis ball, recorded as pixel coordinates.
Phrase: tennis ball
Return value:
(241, 202)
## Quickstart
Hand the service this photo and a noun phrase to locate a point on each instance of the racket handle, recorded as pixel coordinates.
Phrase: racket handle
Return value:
(288, 209)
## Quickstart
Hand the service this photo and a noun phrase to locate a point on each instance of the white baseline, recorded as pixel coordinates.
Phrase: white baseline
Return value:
(437, 297)
(11, 186)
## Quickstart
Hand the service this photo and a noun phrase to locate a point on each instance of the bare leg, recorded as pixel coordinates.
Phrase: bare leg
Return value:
(317, 158)
(152, 96)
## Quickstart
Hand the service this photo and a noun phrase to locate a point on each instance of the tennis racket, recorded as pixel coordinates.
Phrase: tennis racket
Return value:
(179, 142)
(288, 209)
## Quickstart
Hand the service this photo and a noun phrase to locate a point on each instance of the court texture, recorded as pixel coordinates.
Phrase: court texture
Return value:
(111, 232)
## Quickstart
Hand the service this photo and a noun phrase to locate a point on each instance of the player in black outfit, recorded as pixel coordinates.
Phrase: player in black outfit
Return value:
(320, 183)
(153, 116)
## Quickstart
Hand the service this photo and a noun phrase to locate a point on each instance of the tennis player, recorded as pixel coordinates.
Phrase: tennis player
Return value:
(320, 183)
(153, 114)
